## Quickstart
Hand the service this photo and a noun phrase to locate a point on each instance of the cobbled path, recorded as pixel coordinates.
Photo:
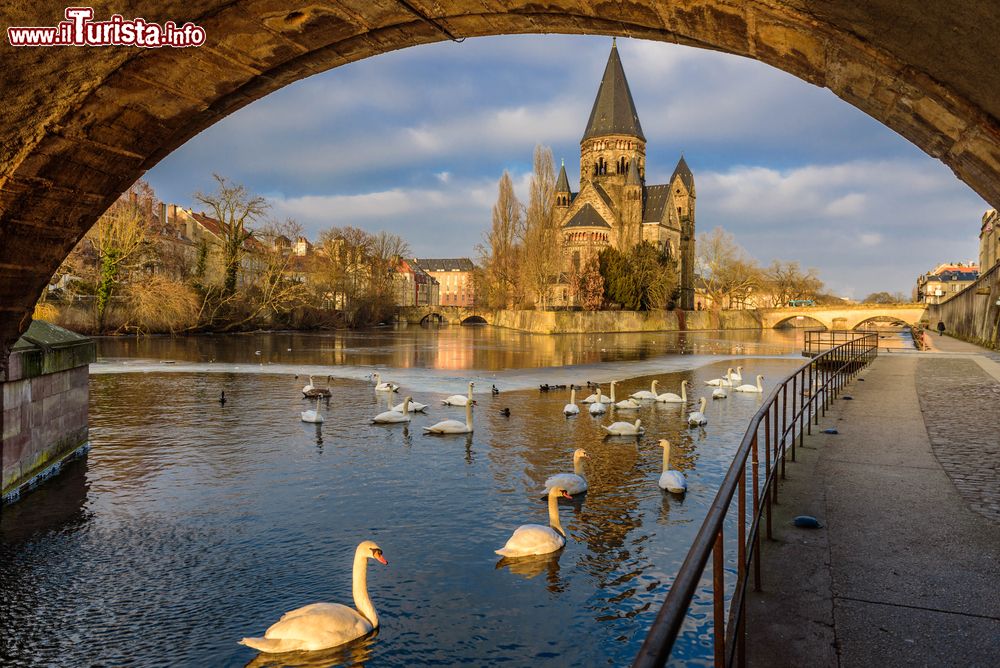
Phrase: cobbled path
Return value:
(961, 407)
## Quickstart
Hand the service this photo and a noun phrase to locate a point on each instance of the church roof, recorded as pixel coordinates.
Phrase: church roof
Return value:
(655, 200)
(604, 195)
(614, 111)
(562, 185)
(587, 216)
(682, 170)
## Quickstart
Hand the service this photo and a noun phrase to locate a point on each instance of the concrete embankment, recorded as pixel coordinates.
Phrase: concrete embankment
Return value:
(583, 322)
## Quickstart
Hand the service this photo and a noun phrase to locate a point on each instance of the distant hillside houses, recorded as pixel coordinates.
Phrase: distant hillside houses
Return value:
(944, 281)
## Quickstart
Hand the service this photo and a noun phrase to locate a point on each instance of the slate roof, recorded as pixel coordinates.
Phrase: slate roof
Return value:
(682, 170)
(587, 216)
(447, 264)
(562, 185)
(632, 178)
(954, 275)
(604, 195)
(614, 111)
(654, 203)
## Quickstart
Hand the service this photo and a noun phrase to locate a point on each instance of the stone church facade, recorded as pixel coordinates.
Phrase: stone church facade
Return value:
(614, 205)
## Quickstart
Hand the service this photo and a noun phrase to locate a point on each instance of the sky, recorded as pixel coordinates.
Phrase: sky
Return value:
(414, 142)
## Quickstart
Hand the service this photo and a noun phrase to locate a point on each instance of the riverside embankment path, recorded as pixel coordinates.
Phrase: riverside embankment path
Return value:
(906, 569)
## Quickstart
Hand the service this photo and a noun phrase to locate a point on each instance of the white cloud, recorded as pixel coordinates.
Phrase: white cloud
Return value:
(870, 239)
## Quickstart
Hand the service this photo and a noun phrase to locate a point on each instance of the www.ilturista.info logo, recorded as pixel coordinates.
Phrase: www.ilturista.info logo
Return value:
(80, 30)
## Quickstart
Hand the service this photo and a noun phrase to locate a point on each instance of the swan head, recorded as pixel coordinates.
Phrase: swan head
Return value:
(638, 423)
(555, 491)
(759, 377)
(371, 550)
(664, 443)
(684, 383)
(580, 453)
(655, 383)
(739, 370)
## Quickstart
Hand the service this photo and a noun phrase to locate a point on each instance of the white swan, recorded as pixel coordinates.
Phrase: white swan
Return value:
(323, 625)
(719, 393)
(697, 418)
(453, 426)
(647, 395)
(312, 415)
(308, 387)
(415, 407)
(736, 376)
(671, 398)
(725, 381)
(459, 399)
(597, 397)
(384, 387)
(575, 482)
(624, 404)
(530, 539)
(394, 416)
(598, 408)
(571, 408)
(759, 388)
(672, 481)
(624, 428)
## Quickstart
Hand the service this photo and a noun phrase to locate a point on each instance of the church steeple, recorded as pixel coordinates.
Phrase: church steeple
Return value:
(562, 191)
(614, 111)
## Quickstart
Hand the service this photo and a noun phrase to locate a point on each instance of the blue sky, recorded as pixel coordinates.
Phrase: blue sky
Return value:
(414, 141)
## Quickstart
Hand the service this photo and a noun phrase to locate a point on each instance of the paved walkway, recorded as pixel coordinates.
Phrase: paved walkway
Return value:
(906, 570)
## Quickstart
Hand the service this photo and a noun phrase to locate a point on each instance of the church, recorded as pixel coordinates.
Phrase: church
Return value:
(615, 206)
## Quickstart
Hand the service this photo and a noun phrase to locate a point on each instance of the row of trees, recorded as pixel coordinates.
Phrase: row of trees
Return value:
(135, 272)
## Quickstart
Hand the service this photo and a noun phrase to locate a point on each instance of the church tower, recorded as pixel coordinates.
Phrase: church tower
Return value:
(562, 191)
(683, 196)
(613, 142)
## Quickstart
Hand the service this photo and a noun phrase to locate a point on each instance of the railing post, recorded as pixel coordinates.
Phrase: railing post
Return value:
(755, 462)
(784, 423)
(796, 418)
(719, 601)
(767, 469)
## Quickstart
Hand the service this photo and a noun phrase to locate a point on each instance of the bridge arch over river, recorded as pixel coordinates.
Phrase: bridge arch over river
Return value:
(82, 124)
(844, 317)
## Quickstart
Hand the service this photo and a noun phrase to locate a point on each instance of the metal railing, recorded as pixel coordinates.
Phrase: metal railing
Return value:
(786, 416)
(820, 340)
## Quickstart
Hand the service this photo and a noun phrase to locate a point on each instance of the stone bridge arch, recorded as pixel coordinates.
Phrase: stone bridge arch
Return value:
(844, 317)
(809, 320)
(81, 124)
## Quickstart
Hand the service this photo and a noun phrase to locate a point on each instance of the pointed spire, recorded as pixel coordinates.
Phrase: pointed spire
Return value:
(562, 184)
(632, 178)
(682, 170)
(614, 111)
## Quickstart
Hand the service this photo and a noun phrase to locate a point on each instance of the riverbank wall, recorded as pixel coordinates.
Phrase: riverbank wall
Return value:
(972, 314)
(583, 322)
(44, 396)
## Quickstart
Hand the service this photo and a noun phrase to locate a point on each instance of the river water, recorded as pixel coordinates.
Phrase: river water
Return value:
(190, 525)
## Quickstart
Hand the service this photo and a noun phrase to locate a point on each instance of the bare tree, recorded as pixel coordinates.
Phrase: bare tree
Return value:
(541, 236)
(785, 281)
(501, 254)
(236, 209)
(728, 274)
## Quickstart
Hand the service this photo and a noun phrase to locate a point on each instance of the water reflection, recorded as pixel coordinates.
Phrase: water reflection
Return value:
(533, 566)
(356, 653)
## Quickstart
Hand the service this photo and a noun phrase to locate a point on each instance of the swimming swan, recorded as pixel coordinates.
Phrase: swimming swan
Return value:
(758, 388)
(672, 481)
(671, 398)
(725, 381)
(415, 407)
(624, 404)
(697, 418)
(394, 416)
(719, 393)
(647, 395)
(530, 539)
(453, 426)
(323, 625)
(459, 399)
(571, 408)
(624, 428)
(598, 407)
(736, 376)
(574, 483)
(384, 387)
(312, 415)
(597, 397)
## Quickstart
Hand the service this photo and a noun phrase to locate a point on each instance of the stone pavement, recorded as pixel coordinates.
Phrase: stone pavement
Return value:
(905, 570)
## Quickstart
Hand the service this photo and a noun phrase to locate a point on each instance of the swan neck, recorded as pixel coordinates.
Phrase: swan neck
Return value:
(554, 514)
(666, 458)
(578, 466)
(468, 415)
(759, 385)
(572, 396)
(360, 587)
(612, 392)
(684, 394)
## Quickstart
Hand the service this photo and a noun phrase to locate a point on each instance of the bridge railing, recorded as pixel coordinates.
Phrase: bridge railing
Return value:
(820, 340)
(787, 415)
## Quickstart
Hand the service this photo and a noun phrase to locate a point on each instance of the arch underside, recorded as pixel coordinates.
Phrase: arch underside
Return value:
(807, 321)
(81, 125)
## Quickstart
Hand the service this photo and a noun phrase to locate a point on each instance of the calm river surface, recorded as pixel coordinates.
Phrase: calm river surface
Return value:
(190, 525)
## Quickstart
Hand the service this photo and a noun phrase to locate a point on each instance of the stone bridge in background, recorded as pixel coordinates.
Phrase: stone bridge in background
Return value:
(843, 317)
(446, 315)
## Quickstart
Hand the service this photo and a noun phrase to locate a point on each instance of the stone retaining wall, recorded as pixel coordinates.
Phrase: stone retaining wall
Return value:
(577, 322)
(43, 403)
(972, 315)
